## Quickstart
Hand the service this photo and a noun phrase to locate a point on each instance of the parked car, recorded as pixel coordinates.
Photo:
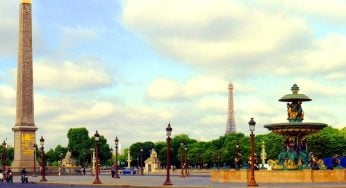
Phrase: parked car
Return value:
(129, 171)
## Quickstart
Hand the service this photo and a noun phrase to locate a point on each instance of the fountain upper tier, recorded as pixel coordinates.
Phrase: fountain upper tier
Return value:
(295, 126)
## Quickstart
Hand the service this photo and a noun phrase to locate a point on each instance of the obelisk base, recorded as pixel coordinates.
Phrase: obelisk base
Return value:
(24, 140)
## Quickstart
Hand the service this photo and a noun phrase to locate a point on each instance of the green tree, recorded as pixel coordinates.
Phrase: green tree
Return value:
(327, 142)
(54, 157)
(105, 154)
(79, 143)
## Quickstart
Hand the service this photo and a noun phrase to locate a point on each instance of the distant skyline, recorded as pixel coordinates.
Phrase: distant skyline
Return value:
(127, 68)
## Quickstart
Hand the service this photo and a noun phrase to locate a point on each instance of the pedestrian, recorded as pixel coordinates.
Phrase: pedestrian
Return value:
(1, 175)
(83, 171)
(59, 171)
(113, 170)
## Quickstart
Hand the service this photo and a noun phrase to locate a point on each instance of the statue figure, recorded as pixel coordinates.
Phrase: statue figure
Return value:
(283, 154)
(295, 111)
(291, 151)
(303, 152)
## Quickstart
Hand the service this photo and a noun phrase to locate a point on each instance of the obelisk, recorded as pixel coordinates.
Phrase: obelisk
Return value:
(230, 126)
(24, 129)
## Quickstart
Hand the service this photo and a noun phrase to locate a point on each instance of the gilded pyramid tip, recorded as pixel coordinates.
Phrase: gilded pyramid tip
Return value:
(25, 1)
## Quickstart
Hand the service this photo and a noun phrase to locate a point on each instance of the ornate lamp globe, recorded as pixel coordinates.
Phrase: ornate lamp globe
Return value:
(252, 124)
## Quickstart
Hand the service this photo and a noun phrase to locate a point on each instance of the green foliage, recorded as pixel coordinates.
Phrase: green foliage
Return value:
(137, 155)
(222, 150)
(79, 144)
(327, 142)
(105, 154)
(9, 155)
(54, 156)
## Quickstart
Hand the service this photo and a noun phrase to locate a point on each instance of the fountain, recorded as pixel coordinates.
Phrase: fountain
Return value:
(294, 154)
(292, 165)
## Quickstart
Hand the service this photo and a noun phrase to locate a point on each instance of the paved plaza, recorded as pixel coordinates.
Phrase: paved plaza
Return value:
(194, 181)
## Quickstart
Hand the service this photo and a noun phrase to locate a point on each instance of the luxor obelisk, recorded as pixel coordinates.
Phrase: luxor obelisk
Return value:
(24, 129)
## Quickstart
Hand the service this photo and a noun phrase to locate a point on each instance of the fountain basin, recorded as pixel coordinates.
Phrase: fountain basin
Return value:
(295, 128)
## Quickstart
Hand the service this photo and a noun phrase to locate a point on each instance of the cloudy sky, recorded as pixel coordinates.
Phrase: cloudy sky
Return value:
(127, 68)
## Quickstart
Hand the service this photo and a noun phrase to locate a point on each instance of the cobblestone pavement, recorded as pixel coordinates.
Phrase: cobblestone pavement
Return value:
(194, 181)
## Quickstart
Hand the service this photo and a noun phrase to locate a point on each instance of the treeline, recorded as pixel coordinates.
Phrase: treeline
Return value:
(219, 151)
(222, 150)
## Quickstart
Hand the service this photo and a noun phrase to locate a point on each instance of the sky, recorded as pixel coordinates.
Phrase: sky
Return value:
(129, 67)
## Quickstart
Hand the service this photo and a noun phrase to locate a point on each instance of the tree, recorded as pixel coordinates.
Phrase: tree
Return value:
(54, 157)
(327, 142)
(79, 143)
(105, 154)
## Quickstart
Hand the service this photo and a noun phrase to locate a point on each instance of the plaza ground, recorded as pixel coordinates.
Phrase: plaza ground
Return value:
(193, 181)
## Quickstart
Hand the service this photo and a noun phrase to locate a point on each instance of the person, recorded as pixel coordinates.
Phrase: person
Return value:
(24, 176)
(313, 162)
(83, 171)
(113, 170)
(335, 161)
(238, 161)
(9, 177)
(1, 175)
(59, 171)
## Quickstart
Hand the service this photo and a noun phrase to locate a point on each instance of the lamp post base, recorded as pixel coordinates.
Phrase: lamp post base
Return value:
(97, 181)
(252, 183)
(168, 182)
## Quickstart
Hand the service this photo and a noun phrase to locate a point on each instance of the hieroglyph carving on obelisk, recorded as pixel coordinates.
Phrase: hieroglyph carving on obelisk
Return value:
(24, 129)
(230, 126)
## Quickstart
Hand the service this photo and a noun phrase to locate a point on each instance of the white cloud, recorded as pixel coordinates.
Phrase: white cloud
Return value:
(222, 36)
(239, 38)
(164, 89)
(70, 75)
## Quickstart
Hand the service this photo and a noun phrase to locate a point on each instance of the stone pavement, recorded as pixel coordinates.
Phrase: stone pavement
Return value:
(194, 181)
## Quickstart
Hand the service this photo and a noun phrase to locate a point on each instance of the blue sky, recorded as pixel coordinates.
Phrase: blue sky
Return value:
(127, 68)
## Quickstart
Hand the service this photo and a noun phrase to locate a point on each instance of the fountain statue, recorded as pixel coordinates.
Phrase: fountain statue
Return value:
(294, 153)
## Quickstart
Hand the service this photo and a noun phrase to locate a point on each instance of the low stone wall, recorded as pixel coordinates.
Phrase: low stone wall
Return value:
(279, 176)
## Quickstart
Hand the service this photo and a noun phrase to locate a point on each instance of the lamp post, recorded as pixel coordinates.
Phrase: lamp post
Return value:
(92, 161)
(43, 161)
(35, 148)
(3, 158)
(263, 154)
(97, 138)
(116, 157)
(182, 159)
(252, 181)
(168, 134)
(186, 161)
(141, 161)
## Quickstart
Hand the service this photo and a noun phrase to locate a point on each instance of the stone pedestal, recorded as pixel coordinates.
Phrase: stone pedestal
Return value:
(279, 176)
(24, 140)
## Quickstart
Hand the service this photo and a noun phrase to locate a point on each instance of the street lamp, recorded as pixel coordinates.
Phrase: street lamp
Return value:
(252, 181)
(182, 159)
(3, 158)
(92, 161)
(43, 161)
(142, 161)
(35, 148)
(116, 157)
(186, 161)
(97, 138)
(168, 134)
